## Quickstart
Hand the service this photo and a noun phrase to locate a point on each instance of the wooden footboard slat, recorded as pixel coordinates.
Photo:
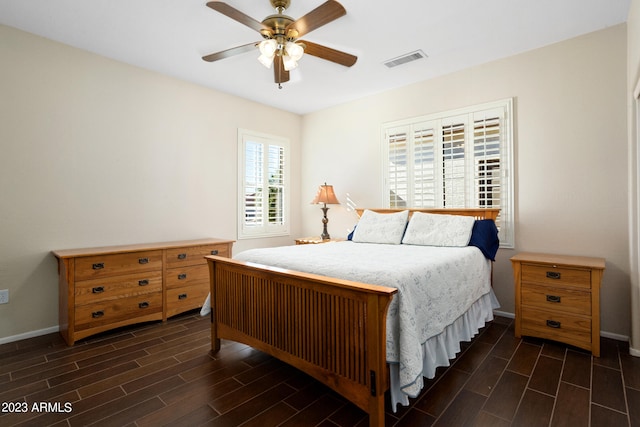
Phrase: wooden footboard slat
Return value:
(332, 329)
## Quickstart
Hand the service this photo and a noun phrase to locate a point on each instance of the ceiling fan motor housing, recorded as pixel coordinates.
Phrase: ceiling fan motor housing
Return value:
(280, 5)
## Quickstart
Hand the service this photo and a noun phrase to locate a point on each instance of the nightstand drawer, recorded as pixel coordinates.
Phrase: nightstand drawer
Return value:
(556, 276)
(556, 299)
(571, 329)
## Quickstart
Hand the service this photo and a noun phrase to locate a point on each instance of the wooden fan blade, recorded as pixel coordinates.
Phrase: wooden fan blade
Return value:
(321, 15)
(236, 15)
(230, 52)
(280, 74)
(329, 54)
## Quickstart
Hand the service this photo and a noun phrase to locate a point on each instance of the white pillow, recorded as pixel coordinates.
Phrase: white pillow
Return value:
(438, 230)
(376, 227)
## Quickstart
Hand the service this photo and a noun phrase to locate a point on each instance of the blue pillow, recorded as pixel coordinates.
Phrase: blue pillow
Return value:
(350, 236)
(484, 236)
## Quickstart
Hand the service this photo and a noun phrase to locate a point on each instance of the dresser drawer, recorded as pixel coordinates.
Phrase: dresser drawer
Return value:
(194, 254)
(564, 327)
(191, 275)
(556, 299)
(93, 267)
(107, 288)
(556, 276)
(113, 311)
(185, 298)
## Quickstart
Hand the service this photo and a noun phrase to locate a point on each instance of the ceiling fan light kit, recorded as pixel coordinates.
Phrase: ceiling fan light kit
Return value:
(281, 32)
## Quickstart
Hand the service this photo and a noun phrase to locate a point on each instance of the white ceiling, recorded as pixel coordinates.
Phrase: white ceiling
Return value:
(171, 36)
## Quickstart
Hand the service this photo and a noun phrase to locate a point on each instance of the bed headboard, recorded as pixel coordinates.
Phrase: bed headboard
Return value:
(477, 213)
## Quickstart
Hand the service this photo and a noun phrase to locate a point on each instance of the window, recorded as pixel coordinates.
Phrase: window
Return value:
(263, 185)
(454, 159)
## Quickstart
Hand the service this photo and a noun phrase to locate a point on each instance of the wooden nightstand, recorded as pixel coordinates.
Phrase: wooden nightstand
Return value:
(315, 240)
(558, 298)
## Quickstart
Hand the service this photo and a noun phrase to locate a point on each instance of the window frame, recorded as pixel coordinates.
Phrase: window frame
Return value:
(265, 229)
(469, 116)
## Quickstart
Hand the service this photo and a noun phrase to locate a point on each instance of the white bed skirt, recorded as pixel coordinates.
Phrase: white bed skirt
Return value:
(440, 349)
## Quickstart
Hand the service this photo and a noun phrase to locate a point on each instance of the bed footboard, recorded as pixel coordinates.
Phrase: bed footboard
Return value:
(334, 330)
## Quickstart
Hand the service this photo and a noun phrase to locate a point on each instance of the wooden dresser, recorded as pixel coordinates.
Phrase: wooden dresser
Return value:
(108, 287)
(558, 298)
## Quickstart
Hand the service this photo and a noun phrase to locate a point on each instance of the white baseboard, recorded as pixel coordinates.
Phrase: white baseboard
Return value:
(634, 352)
(613, 336)
(504, 314)
(30, 334)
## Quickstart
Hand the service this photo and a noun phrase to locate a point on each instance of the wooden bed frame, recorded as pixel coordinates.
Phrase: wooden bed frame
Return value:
(332, 329)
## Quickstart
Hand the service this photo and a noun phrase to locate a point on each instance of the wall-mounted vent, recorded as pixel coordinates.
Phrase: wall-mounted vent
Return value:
(409, 57)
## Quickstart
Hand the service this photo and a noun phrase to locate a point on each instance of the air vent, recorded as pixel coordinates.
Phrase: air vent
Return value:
(409, 57)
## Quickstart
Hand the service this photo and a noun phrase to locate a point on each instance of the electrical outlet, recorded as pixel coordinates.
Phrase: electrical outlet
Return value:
(4, 296)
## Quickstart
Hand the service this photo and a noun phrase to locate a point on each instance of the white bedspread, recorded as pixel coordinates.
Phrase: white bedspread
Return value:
(436, 286)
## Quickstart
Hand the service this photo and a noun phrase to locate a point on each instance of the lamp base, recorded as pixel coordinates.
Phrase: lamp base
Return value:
(325, 220)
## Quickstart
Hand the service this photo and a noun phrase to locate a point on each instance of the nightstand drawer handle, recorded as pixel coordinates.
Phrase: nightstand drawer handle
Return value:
(553, 275)
(143, 260)
(182, 296)
(182, 256)
(143, 282)
(144, 304)
(553, 324)
(214, 252)
(97, 314)
(97, 290)
(98, 266)
(182, 276)
(553, 298)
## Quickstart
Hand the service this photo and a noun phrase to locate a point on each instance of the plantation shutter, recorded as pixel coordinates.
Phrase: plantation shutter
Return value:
(253, 184)
(454, 159)
(453, 164)
(397, 167)
(263, 205)
(275, 182)
(424, 177)
(488, 132)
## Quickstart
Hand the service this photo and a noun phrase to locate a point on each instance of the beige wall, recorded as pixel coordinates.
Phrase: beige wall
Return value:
(570, 154)
(633, 80)
(95, 152)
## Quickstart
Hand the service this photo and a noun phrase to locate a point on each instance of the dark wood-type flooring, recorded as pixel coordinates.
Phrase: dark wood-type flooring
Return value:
(163, 374)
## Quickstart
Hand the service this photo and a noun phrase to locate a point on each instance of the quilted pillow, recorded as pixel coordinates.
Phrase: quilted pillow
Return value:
(438, 230)
(376, 227)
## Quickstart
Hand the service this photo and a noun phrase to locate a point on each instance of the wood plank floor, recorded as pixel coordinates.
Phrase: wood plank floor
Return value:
(163, 374)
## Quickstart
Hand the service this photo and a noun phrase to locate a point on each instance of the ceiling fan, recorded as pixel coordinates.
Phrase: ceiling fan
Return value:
(281, 46)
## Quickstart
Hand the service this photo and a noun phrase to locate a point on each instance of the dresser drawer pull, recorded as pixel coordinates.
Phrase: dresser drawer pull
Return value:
(182, 276)
(553, 324)
(143, 282)
(214, 252)
(97, 290)
(182, 256)
(144, 304)
(97, 314)
(553, 298)
(182, 296)
(143, 260)
(98, 266)
(553, 275)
